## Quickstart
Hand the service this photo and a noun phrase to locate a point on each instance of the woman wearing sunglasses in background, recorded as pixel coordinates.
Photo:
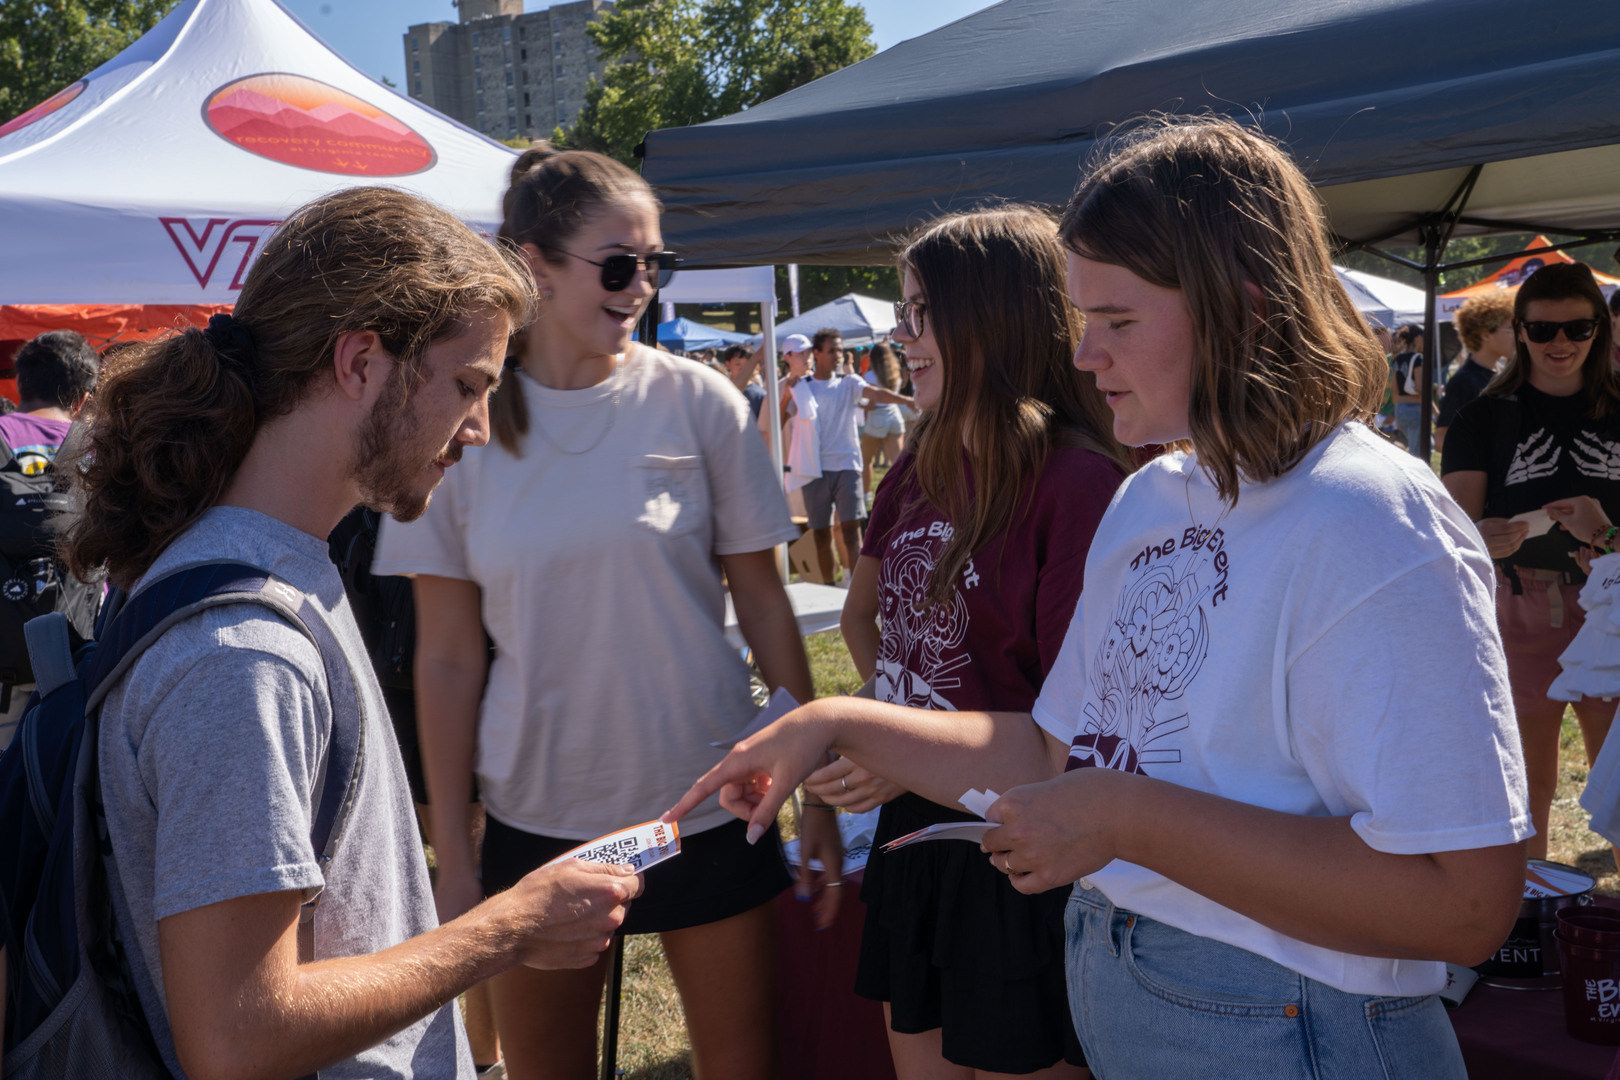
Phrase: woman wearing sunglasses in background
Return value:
(974, 561)
(1545, 430)
(588, 539)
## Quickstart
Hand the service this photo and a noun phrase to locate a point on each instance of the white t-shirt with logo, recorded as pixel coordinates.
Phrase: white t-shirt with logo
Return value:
(602, 592)
(1327, 647)
(838, 416)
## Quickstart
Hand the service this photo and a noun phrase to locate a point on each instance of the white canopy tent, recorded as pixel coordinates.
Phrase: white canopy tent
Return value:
(1403, 302)
(862, 320)
(155, 179)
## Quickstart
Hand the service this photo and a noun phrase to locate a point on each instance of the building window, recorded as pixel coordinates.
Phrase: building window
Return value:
(508, 78)
(480, 102)
(525, 100)
(557, 48)
(523, 54)
(525, 76)
(414, 46)
(523, 33)
(511, 101)
(419, 86)
(511, 125)
(478, 61)
(559, 71)
(506, 33)
(477, 39)
(416, 66)
(478, 82)
(528, 121)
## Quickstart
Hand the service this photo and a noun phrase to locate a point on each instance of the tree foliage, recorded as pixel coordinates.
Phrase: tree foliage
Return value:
(1600, 257)
(47, 44)
(680, 62)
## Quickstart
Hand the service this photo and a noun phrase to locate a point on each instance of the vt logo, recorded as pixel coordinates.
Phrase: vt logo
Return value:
(204, 250)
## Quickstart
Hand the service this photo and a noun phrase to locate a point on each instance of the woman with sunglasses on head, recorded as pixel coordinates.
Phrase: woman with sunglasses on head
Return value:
(1279, 830)
(1547, 428)
(968, 577)
(588, 539)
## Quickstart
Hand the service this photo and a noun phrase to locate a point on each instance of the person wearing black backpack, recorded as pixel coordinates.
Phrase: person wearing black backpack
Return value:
(56, 373)
(356, 367)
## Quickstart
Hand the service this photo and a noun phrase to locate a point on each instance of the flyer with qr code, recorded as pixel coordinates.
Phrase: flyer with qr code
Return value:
(639, 847)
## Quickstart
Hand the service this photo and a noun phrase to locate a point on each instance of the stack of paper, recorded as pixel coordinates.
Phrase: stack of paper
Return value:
(976, 802)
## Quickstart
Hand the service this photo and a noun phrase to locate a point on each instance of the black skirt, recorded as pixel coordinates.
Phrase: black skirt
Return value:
(950, 944)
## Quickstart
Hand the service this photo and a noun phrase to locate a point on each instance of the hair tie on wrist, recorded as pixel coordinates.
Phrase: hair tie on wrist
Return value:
(231, 340)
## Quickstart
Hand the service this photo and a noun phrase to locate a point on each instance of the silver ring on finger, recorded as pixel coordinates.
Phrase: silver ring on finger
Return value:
(845, 781)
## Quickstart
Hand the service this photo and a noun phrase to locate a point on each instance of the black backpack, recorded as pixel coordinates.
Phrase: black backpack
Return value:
(71, 1010)
(34, 508)
(384, 607)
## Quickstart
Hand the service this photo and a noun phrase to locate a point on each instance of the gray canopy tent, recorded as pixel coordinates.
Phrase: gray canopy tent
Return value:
(1417, 120)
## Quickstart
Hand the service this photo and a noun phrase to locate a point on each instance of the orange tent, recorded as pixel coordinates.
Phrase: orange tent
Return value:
(1509, 277)
(101, 324)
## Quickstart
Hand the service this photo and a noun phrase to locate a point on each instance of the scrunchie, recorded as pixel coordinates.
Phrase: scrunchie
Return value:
(232, 340)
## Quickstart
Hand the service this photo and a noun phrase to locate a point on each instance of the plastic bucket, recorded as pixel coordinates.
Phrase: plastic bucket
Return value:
(1591, 992)
(1593, 927)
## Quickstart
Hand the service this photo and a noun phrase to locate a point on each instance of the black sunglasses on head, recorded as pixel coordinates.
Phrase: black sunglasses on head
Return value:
(1541, 331)
(619, 270)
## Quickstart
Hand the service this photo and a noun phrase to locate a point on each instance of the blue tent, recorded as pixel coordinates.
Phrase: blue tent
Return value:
(686, 336)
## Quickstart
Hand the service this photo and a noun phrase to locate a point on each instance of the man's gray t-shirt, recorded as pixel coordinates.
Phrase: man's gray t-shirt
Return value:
(211, 756)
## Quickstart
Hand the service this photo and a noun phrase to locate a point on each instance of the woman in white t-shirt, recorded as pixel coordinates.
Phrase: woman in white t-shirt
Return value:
(1279, 826)
(588, 541)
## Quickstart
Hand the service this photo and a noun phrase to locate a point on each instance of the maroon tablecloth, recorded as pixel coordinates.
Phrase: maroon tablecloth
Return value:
(1520, 1034)
(824, 1029)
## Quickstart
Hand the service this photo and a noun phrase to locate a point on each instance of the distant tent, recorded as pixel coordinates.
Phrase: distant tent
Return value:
(135, 199)
(687, 336)
(1511, 276)
(862, 320)
(1404, 303)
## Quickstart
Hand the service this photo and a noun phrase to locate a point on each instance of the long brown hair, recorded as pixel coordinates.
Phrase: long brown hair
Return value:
(552, 194)
(1566, 281)
(1215, 210)
(885, 367)
(994, 282)
(175, 417)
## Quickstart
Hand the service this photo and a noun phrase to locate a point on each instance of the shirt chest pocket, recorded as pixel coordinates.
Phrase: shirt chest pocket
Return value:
(671, 494)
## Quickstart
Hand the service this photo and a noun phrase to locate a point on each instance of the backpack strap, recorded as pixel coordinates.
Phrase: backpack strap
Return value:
(176, 597)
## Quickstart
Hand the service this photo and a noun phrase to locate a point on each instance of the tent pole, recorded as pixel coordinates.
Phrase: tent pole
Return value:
(1431, 337)
(773, 404)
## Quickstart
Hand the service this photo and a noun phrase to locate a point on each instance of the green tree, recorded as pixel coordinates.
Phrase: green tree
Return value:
(680, 62)
(46, 45)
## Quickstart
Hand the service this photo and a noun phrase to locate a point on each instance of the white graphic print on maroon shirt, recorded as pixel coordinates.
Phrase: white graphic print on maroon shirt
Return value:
(929, 638)
(1151, 651)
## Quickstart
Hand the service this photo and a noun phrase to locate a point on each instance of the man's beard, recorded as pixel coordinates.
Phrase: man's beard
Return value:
(391, 457)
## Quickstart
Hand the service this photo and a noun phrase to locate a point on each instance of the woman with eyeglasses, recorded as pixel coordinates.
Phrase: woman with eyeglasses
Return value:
(968, 577)
(1546, 429)
(588, 540)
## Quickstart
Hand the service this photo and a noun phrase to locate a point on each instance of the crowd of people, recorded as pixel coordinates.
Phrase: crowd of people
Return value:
(1135, 570)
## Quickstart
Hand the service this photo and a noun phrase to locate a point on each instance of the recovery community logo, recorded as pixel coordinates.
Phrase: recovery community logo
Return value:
(306, 123)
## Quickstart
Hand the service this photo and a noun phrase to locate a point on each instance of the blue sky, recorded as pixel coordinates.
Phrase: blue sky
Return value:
(368, 32)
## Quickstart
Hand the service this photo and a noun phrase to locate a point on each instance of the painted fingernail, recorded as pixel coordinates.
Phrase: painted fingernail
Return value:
(801, 891)
(755, 831)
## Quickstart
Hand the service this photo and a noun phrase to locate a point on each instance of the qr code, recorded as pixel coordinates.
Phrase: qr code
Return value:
(626, 851)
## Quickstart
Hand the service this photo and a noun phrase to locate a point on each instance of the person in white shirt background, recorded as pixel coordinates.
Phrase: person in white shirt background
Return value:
(1279, 832)
(588, 540)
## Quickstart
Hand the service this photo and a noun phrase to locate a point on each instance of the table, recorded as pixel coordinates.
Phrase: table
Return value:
(1520, 1034)
(817, 608)
(823, 1028)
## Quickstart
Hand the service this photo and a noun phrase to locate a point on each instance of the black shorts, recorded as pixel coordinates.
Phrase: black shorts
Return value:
(950, 944)
(718, 874)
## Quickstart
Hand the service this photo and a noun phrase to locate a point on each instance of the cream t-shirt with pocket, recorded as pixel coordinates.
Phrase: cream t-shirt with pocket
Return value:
(596, 553)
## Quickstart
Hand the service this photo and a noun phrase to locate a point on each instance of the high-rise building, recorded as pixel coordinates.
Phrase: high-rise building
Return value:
(503, 72)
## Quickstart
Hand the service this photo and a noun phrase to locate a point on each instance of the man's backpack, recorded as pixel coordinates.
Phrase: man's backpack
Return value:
(33, 581)
(71, 1010)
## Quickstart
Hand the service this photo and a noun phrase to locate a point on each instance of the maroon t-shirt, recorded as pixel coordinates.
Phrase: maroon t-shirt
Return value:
(990, 645)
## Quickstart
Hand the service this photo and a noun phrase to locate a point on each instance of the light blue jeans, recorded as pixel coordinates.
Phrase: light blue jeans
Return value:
(1155, 1003)
(1408, 416)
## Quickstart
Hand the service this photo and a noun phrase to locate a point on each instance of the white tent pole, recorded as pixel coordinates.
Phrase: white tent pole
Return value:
(773, 405)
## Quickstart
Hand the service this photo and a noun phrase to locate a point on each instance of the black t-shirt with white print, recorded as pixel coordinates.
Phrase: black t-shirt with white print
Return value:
(1535, 448)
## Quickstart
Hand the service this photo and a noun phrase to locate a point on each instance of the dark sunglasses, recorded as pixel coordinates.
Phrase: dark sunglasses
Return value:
(909, 315)
(618, 271)
(1542, 332)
